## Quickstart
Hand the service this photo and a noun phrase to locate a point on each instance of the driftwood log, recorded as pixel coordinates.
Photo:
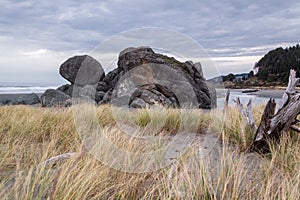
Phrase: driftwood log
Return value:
(274, 123)
(57, 159)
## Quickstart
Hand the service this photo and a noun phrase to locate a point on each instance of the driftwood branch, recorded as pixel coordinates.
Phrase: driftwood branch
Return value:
(286, 116)
(247, 114)
(295, 128)
(226, 99)
(57, 159)
(265, 120)
(260, 142)
(273, 124)
(290, 90)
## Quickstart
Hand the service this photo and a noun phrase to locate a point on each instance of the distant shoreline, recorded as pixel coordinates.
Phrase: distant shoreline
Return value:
(259, 87)
(268, 93)
(262, 92)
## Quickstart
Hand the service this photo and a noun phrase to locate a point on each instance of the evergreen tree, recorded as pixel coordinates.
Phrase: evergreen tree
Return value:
(277, 64)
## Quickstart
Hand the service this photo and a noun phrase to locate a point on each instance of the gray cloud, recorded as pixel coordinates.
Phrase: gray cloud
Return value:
(224, 28)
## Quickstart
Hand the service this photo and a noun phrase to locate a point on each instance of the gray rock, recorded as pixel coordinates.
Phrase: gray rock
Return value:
(132, 58)
(85, 70)
(138, 103)
(99, 96)
(19, 99)
(88, 91)
(112, 77)
(144, 76)
(53, 97)
(143, 50)
(152, 94)
(106, 98)
(5, 101)
(197, 67)
(67, 89)
(28, 99)
(102, 86)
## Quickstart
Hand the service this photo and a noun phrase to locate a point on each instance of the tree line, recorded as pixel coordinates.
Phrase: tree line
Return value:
(275, 66)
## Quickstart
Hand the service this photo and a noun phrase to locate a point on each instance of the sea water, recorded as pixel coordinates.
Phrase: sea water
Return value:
(24, 88)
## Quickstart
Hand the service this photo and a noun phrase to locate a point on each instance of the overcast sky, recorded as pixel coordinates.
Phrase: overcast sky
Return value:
(37, 36)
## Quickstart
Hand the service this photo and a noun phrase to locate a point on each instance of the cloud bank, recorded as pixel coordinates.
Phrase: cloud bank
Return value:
(36, 36)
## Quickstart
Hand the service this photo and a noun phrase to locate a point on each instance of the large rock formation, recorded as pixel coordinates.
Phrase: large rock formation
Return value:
(142, 78)
(145, 69)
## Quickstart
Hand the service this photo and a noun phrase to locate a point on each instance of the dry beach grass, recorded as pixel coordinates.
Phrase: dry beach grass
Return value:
(30, 135)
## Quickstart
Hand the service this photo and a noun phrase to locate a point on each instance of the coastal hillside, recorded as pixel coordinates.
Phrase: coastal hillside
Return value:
(276, 64)
(272, 70)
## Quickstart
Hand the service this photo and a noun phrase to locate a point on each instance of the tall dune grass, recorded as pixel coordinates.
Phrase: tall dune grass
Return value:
(30, 135)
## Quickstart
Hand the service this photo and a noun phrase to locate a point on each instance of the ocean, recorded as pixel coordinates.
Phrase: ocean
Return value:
(24, 88)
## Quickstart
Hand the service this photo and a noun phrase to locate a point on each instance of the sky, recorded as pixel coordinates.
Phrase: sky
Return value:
(37, 36)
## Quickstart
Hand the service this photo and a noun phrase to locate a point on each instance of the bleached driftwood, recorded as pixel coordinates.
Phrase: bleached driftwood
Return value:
(226, 100)
(290, 90)
(265, 120)
(273, 124)
(260, 138)
(247, 114)
(295, 128)
(57, 159)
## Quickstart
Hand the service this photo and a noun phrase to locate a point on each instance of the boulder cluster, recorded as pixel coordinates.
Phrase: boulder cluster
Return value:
(142, 78)
(19, 99)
